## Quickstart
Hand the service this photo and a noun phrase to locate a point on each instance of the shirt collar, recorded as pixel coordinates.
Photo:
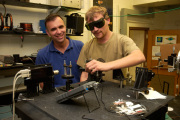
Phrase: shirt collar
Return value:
(52, 48)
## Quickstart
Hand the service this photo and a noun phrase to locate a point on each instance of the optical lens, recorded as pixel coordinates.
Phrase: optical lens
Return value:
(99, 24)
(90, 26)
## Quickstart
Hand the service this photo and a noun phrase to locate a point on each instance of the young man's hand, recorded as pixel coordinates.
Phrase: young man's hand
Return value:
(95, 65)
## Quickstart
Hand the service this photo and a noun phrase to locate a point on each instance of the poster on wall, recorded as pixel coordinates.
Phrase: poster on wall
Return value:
(165, 39)
(156, 54)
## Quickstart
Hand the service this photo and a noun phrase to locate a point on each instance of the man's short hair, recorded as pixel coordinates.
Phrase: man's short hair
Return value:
(51, 17)
(96, 9)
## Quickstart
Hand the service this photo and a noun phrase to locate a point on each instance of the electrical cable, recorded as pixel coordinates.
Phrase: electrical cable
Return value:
(103, 101)
(151, 12)
(83, 117)
(177, 81)
(159, 78)
(18, 87)
(134, 14)
(20, 74)
(30, 59)
(105, 105)
(4, 10)
(15, 79)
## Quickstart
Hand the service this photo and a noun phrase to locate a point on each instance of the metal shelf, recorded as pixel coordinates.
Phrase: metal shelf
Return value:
(28, 33)
(24, 33)
(26, 4)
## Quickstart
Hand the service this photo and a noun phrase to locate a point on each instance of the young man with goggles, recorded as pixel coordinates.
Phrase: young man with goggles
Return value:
(118, 51)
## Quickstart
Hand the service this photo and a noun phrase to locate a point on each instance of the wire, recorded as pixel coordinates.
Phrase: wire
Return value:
(150, 13)
(177, 81)
(83, 117)
(18, 86)
(103, 101)
(14, 82)
(30, 59)
(4, 10)
(21, 74)
(158, 76)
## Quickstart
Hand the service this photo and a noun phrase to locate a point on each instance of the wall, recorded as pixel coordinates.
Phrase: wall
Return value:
(86, 34)
(159, 21)
(146, 1)
(166, 21)
(12, 44)
(163, 20)
(117, 6)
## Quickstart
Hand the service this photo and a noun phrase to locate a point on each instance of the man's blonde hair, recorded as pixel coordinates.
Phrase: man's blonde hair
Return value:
(96, 9)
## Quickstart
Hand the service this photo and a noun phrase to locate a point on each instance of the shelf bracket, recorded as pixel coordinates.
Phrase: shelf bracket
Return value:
(22, 40)
(56, 10)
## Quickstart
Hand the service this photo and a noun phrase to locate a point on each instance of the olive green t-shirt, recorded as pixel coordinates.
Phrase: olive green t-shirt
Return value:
(116, 47)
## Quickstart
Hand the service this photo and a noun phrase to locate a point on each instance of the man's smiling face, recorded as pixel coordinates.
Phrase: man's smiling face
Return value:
(56, 29)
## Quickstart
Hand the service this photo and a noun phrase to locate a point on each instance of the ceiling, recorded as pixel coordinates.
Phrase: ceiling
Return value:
(164, 5)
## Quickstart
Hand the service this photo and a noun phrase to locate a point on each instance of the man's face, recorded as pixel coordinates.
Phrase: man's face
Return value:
(99, 33)
(56, 30)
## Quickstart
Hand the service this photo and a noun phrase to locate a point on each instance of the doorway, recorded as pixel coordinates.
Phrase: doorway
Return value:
(140, 37)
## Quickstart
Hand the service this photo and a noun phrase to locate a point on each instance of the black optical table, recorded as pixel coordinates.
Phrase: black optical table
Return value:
(45, 106)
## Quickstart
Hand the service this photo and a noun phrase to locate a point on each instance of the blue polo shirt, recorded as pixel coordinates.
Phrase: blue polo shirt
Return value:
(50, 54)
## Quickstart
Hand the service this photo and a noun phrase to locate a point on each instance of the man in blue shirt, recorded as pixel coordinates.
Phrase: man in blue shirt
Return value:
(60, 49)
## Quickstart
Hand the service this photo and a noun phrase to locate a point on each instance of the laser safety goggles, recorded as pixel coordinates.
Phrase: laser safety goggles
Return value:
(99, 24)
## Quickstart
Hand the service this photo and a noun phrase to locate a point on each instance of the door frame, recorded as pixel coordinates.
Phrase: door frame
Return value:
(145, 29)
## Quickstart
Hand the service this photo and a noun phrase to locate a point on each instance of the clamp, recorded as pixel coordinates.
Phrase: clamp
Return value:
(8, 15)
(2, 22)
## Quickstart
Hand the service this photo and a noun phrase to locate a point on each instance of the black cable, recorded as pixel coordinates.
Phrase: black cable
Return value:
(83, 117)
(111, 111)
(159, 78)
(30, 59)
(104, 103)
(4, 10)
(177, 79)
